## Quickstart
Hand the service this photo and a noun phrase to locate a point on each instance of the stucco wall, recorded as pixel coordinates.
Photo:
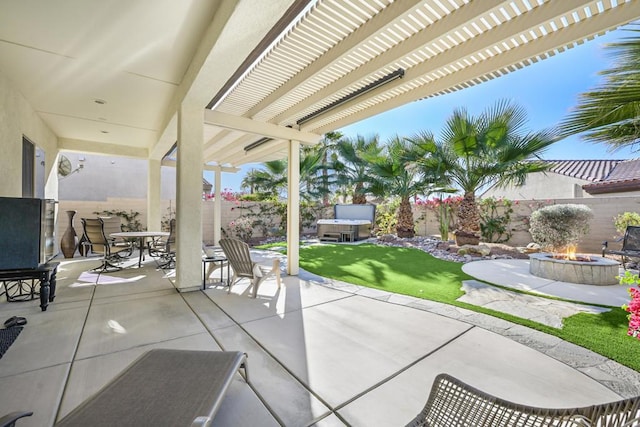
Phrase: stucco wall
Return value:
(18, 118)
(543, 186)
(103, 177)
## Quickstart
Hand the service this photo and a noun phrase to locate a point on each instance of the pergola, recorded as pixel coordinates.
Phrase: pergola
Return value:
(228, 82)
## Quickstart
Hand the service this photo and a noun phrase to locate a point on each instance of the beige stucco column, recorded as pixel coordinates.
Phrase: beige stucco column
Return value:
(189, 198)
(293, 209)
(217, 206)
(154, 215)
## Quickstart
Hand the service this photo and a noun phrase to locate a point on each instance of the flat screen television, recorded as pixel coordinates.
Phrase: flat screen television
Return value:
(27, 232)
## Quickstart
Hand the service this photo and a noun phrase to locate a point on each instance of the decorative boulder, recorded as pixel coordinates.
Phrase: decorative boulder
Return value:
(531, 248)
(482, 250)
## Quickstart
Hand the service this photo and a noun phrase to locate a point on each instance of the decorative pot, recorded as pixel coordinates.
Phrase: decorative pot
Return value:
(69, 240)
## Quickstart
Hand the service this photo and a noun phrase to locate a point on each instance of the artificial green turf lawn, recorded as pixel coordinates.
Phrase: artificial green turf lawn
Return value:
(399, 270)
(414, 272)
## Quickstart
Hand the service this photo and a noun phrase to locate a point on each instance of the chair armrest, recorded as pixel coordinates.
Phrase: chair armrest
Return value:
(10, 419)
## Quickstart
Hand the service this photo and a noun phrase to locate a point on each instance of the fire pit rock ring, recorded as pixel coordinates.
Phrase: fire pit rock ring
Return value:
(586, 271)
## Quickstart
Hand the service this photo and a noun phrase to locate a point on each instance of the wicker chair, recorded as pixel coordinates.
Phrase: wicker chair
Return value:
(453, 403)
(96, 241)
(237, 252)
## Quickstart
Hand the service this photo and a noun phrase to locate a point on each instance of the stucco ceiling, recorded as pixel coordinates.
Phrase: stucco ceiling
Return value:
(107, 76)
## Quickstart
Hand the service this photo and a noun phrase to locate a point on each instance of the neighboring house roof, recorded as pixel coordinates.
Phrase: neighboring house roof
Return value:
(589, 170)
(206, 186)
(625, 176)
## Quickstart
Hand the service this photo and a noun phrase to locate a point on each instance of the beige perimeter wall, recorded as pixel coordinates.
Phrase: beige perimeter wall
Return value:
(601, 227)
(86, 209)
(604, 210)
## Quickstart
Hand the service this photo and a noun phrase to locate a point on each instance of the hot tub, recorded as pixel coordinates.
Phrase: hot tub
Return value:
(351, 223)
(343, 230)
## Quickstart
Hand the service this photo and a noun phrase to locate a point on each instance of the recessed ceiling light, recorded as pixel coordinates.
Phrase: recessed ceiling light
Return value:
(100, 101)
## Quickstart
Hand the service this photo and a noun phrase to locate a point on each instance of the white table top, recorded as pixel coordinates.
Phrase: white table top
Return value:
(140, 234)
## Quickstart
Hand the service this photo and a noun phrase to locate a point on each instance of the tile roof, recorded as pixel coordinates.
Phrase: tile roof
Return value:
(590, 170)
(625, 176)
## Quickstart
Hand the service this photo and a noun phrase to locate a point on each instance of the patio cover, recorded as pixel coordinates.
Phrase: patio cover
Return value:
(233, 82)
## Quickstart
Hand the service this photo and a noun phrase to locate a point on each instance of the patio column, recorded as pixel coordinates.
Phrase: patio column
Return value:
(189, 198)
(153, 195)
(293, 209)
(217, 206)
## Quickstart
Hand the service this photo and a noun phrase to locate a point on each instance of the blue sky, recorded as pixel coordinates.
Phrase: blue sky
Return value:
(548, 90)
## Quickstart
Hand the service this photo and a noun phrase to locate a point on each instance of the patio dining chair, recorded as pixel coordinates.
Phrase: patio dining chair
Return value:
(96, 241)
(452, 403)
(237, 252)
(165, 249)
(113, 224)
(630, 245)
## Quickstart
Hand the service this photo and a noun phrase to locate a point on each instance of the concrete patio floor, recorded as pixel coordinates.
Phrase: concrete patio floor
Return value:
(320, 352)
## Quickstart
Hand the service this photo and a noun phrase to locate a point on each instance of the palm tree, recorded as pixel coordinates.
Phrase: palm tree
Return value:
(328, 146)
(391, 174)
(351, 166)
(272, 179)
(477, 152)
(610, 113)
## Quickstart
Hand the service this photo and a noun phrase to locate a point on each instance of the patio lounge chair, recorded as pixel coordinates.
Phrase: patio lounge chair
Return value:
(630, 245)
(163, 388)
(237, 252)
(453, 403)
(96, 241)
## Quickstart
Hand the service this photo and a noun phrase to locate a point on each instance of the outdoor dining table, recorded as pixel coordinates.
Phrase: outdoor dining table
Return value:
(141, 236)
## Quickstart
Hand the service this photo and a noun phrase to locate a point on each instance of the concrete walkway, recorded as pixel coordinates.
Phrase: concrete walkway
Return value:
(514, 273)
(321, 352)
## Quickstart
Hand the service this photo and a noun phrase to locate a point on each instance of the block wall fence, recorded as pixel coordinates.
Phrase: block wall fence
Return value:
(602, 228)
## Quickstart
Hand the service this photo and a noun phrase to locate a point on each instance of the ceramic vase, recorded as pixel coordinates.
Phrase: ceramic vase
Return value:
(69, 240)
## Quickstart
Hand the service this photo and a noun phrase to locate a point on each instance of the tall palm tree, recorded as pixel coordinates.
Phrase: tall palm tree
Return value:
(476, 152)
(272, 179)
(351, 166)
(269, 181)
(327, 146)
(610, 113)
(392, 175)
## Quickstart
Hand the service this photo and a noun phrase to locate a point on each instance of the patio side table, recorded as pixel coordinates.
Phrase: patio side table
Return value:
(214, 259)
(20, 285)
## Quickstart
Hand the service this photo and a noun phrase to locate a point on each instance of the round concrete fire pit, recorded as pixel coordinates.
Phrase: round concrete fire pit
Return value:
(595, 271)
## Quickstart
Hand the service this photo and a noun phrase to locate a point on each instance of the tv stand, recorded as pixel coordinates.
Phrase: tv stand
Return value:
(20, 285)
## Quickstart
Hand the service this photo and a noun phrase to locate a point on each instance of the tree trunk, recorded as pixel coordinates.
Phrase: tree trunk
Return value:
(468, 214)
(358, 198)
(325, 180)
(405, 226)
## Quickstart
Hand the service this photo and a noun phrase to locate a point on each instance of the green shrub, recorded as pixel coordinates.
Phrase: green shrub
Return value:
(495, 217)
(386, 218)
(625, 219)
(559, 226)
